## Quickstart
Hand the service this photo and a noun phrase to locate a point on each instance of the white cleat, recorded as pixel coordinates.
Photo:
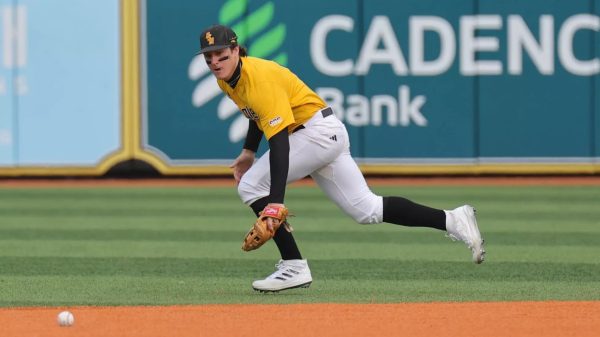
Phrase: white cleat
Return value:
(289, 274)
(463, 227)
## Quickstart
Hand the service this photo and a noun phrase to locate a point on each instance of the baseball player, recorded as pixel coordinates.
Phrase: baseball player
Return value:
(305, 138)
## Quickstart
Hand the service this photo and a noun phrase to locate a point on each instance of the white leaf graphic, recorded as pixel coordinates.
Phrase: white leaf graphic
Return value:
(238, 129)
(197, 68)
(226, 108)
(206, 90)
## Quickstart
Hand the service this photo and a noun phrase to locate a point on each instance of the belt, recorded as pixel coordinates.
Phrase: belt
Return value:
(324, 112)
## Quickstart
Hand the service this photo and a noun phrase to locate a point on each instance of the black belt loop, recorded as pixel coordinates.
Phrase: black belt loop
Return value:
(325, 113)
(298, 128)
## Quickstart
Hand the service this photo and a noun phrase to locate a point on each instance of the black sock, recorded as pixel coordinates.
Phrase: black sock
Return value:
(283, 239)
(401, 211)
(286, 244)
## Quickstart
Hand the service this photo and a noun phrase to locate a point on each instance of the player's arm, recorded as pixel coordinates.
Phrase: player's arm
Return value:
(275, 116)
(279, 161)
(245, 160)
(253, 136)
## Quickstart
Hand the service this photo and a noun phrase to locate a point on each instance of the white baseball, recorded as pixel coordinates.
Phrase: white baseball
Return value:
(65, 318)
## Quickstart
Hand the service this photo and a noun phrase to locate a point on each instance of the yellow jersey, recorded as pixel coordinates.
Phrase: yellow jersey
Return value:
(272, 96)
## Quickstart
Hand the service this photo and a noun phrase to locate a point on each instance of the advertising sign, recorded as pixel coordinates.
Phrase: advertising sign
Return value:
(416, 81)
(59, 82)
(11, 58)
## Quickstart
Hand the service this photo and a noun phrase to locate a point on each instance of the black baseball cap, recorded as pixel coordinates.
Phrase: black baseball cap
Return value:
(217, 37)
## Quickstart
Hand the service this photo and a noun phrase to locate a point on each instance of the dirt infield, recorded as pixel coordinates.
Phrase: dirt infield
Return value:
(499, 319)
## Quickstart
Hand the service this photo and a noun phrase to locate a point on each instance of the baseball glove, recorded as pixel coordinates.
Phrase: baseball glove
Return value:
(261, 232)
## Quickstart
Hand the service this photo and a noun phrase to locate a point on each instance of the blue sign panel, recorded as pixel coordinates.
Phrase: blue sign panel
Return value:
(9, 39)
(65, 73)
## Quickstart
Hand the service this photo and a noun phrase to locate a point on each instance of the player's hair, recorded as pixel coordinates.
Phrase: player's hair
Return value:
(243, 51)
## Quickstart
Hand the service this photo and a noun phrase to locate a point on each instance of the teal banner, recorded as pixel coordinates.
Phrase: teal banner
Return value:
(595, 120)
(415, 81)
(540, 103)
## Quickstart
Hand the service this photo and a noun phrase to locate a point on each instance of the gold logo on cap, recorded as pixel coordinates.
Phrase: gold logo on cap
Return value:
(209, 38)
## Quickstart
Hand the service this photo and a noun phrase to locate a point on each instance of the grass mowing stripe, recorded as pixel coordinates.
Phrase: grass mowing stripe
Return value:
(117, 193)
(154, 246)
(304, 224)
(517, 206)
(123, 211)
(569, 195)
(445, 251)
(360, 269)
(127, 290)
(77, 222)
(401, 237)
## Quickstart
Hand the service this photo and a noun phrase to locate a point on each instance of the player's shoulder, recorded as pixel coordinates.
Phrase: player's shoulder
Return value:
(261, 63)
(223, 85)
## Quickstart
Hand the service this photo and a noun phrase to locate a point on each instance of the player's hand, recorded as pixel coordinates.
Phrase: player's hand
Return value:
(242, 164)
(273, 222)
(268, 222)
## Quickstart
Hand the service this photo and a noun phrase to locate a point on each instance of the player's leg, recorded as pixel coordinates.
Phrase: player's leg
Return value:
(291, 271)
(254, 188)
(345, 185)
(343, 182)
(310, 149)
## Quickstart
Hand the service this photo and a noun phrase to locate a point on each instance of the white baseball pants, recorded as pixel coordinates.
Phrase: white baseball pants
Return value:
(321, 150)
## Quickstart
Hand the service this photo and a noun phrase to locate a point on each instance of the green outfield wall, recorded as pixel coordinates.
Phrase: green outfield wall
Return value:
(423, 86)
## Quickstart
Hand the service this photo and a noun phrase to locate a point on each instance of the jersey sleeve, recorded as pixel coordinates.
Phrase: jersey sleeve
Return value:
(253, 136)
(272, 105)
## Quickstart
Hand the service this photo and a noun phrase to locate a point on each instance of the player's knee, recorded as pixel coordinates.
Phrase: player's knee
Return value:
(247, 192)
(367, 219)
(369, 211)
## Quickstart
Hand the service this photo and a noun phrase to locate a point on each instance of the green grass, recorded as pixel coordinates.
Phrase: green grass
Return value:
(155, 246)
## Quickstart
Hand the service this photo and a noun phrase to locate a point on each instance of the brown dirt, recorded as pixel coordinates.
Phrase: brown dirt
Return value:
(499, 319)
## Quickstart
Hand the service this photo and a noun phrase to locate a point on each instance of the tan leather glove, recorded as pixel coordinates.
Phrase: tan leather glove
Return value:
(268, 222)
